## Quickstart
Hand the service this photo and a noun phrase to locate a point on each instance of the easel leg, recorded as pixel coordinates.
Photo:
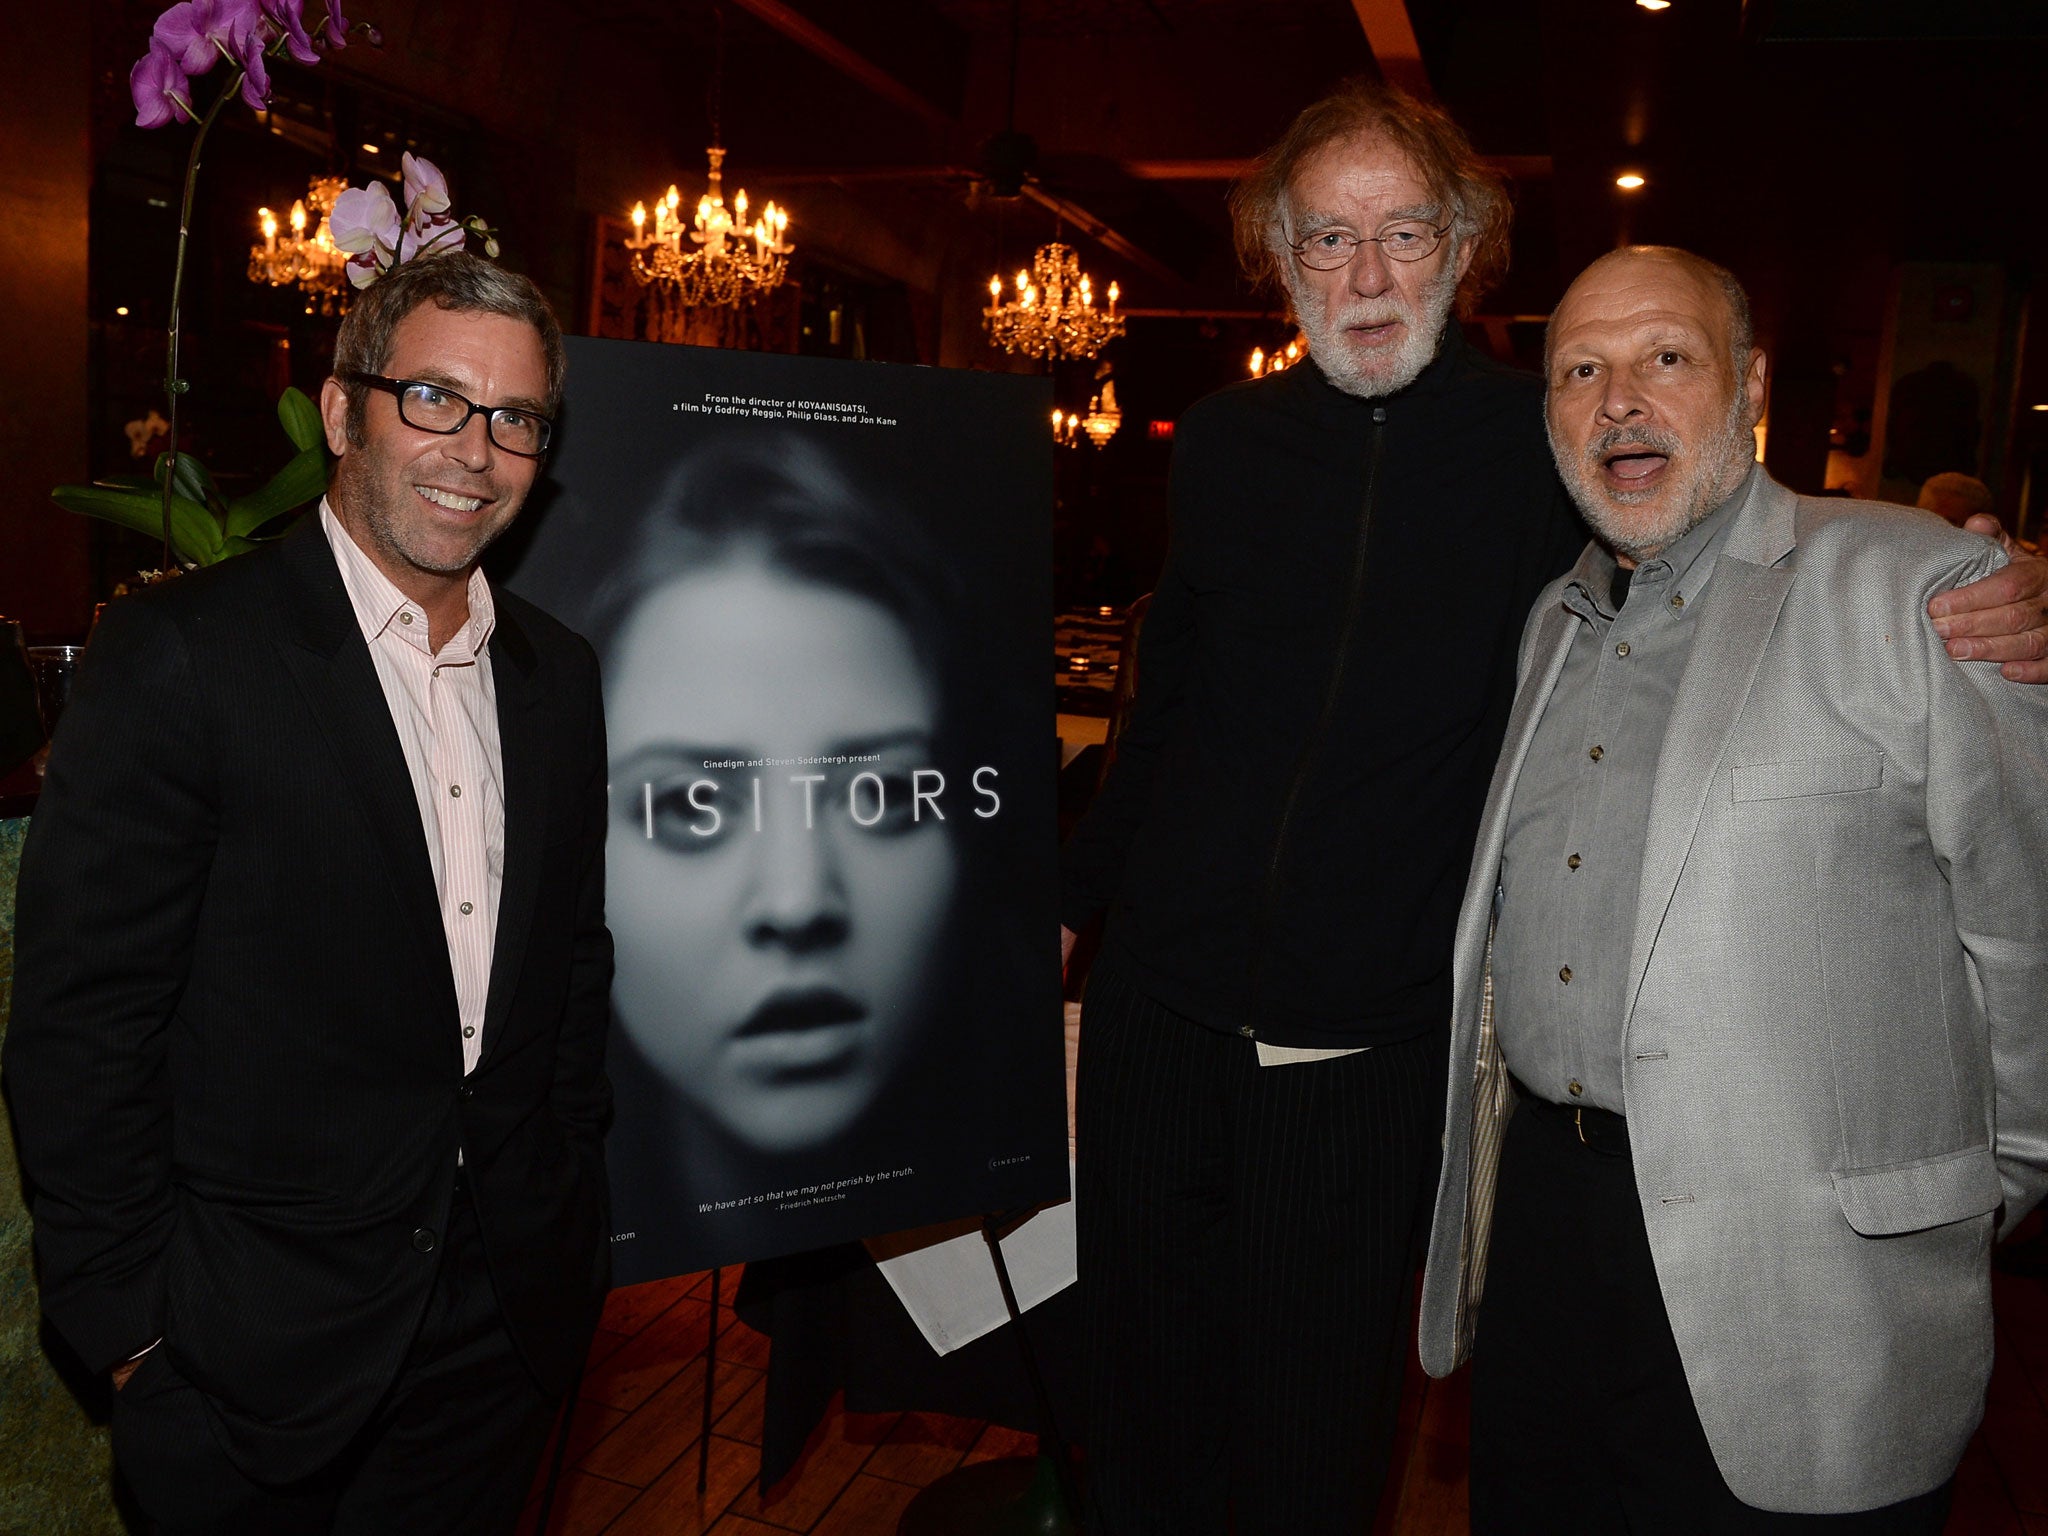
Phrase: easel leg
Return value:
(1050, 1442)
(710, 1384)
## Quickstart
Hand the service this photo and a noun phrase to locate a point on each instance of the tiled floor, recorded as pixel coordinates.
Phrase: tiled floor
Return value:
(633, 1454)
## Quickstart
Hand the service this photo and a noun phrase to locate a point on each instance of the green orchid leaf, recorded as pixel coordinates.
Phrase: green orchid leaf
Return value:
(195, 534)
(125, 483)
(192, 480)
(304, 479)
(300, 418)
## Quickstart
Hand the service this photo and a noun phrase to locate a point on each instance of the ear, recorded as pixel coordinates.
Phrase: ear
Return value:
(1756, 385)
(1467, 249)
(334, 416)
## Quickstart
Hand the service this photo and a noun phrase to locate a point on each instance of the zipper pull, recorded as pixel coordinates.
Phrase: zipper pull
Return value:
(1379, 415)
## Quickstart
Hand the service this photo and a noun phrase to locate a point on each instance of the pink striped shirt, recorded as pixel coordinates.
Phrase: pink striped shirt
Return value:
(446, 710)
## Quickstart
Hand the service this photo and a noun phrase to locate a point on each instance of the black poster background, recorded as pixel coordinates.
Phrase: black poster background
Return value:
(741, 1130)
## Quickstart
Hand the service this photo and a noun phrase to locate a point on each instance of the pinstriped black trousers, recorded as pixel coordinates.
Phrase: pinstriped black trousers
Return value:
(1248, 1238)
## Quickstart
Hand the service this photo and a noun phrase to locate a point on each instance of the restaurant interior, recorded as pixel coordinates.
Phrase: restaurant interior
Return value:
(925, 181)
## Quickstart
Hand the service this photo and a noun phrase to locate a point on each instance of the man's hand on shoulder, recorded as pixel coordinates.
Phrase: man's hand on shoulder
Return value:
(2004, 616)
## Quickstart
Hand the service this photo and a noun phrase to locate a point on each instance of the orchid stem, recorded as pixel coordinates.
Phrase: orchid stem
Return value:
(173, 385)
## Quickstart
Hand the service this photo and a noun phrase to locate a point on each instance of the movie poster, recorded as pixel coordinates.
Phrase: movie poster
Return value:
(821, 595)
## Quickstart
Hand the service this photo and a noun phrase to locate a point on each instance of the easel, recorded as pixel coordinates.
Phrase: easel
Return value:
(1017, 1495)
(560, 1453)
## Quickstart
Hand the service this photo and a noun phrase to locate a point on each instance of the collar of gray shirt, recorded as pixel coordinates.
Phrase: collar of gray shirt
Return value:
(1678, 573)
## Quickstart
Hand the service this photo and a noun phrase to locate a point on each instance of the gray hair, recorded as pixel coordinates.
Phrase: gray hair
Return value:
(452, 280)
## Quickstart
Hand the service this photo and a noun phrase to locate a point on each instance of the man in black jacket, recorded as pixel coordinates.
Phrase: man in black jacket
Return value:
(1281, 847)
(308, 1036)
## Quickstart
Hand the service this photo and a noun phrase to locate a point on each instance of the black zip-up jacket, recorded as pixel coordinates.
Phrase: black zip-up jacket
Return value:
(1323, 683)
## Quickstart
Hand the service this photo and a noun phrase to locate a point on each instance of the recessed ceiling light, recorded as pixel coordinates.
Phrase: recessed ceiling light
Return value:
(1654, 5)
(122, 309)
(372, 149)
(2043, 406)
(1629, 181)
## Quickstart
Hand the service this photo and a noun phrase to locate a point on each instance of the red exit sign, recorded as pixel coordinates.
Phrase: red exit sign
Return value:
(1161, 430)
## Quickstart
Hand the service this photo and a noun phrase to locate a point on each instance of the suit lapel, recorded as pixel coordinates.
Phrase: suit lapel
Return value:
(332, 664)
(1748, 588)
(516, 680)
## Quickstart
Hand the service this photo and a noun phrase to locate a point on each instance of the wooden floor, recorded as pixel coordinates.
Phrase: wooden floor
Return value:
(633, 1452)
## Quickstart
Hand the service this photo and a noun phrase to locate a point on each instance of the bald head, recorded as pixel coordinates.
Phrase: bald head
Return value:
(1706, 277)
(1653, 389)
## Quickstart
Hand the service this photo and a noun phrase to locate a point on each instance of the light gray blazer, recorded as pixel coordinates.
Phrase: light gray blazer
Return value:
(1836, 1049)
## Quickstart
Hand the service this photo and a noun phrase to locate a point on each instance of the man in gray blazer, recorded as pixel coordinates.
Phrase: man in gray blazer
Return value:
(1753, 952)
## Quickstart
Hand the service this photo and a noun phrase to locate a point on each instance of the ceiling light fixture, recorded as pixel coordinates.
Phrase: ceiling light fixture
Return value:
(1654, 5)
(1629, 181)
(1053, 312)
(307, 260)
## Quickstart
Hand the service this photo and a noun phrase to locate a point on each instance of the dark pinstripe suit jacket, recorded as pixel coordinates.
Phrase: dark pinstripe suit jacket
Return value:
(234, 1060)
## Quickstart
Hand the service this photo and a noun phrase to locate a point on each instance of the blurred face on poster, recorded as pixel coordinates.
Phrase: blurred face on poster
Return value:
(781, 866)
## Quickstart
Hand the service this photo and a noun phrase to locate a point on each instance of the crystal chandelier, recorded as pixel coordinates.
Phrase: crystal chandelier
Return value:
(296, 259)
(726, 261)
(1098, 426)
(1052, 314)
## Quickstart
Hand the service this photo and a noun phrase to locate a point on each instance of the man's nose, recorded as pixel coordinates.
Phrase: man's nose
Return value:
(1370, 274)
(472, 446)
(1621, 400)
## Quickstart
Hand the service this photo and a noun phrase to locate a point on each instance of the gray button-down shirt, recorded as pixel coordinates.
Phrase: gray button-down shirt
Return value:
(1581, 813)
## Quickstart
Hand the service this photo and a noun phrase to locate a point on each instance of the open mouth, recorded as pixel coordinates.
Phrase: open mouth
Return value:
(451, 500)
(1376, 334)
(1633, 467)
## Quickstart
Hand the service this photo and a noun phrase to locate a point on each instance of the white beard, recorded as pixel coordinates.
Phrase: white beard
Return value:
(1371, 376)
(1718, 469)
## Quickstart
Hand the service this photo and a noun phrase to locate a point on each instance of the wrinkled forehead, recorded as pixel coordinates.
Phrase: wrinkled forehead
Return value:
(1627, 293)
(1364, 178)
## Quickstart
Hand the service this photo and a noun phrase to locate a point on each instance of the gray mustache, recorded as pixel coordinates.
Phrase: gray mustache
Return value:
(1666, 443)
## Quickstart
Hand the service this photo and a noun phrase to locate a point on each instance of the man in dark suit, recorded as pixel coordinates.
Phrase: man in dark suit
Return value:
(308, 1036)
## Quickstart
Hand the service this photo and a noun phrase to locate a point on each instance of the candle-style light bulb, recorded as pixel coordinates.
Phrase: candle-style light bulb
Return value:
(995, 290)
(267, 222)
(1112, 295)
(298, 217)
(739, 205)
(639, 217)
(1258, 361)
(1023, 279)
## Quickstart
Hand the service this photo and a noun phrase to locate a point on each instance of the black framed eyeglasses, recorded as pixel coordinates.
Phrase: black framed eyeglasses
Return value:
(437, 408)
(1402, 240)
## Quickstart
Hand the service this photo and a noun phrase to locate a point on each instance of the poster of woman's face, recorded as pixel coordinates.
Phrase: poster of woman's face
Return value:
(819, 594)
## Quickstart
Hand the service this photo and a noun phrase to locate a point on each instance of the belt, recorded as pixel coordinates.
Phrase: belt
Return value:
(1599, 1130)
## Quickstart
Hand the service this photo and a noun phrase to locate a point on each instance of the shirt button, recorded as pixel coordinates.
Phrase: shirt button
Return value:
(466, 908)
(465, 1091)
(422, 1240)
(1247, 1031)
(455, 790)
(1678, 599)
(1621, 648)
(1564, 974)
(1597, 753)
(468, 1030)
(1572, 862)
(1575, 1087)
(406, 618)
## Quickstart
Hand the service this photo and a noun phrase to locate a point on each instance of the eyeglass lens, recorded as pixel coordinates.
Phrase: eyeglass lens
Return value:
(433, 409)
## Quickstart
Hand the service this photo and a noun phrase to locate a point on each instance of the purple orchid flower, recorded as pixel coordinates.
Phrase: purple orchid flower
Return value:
(337, 27)
(365, 222)
(288, 16)
(426, 189)
(202, 32)
(160, 88)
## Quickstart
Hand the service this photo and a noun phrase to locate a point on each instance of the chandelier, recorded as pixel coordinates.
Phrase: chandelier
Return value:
(1052, 314)
(308, 262)
(725, 262)
(1098, 426)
